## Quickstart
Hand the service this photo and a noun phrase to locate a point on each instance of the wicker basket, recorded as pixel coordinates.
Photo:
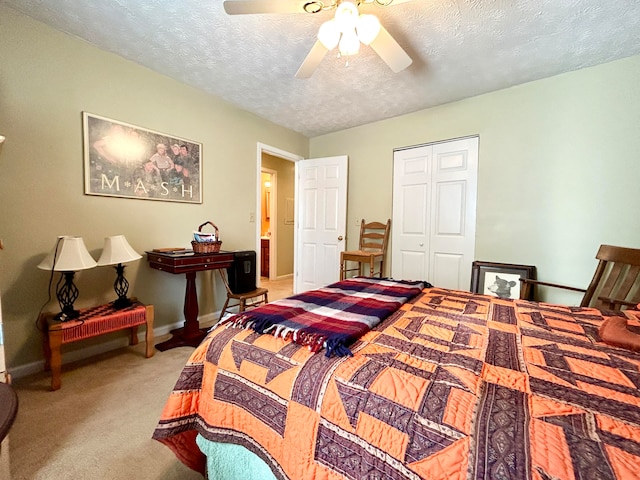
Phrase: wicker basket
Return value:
(207, 247)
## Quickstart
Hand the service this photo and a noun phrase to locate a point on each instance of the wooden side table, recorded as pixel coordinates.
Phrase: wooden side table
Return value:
(190, 334)
(92, 322)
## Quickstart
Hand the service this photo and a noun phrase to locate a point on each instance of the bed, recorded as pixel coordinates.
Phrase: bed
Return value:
(452, 385)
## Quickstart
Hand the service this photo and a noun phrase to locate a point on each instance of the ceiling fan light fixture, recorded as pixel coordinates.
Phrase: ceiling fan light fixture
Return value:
(313, 7)
(329, 34)
(368, 28)
(349, 43)
(346, 16)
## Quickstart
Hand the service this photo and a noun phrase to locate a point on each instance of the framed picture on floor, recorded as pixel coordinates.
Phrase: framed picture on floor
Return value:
(500, 279)
(123, 160)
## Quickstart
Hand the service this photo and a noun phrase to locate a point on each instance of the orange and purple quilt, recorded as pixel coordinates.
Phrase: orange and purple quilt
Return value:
(453, 385)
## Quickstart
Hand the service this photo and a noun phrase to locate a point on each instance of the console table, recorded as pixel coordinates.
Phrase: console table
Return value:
(92, 322)
(188, 263)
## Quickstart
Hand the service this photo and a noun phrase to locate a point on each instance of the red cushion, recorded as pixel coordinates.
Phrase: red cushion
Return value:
(614, 331)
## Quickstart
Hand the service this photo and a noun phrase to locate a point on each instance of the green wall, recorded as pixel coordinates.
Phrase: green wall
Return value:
(47, 79)
(559, 164)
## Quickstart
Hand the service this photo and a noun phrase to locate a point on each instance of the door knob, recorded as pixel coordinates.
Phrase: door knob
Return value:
(340, 238)
(421, 244)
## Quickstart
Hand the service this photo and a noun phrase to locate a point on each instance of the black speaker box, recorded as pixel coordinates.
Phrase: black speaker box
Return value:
(242, 273)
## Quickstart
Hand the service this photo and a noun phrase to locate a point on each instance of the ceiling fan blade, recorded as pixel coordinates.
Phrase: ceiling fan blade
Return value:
(394, 2)
(313, 59)
(242, 7)
(390, 51)
(385, 3)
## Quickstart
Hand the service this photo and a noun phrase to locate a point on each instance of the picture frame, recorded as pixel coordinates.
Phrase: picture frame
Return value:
(500, 279)
(128, 161)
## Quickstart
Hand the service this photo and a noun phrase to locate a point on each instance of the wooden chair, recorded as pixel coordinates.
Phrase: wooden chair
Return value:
(243, 300)
(372, 248)
(615, 284)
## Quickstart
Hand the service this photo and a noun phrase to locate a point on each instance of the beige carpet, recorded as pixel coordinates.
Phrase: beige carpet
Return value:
(98, 426)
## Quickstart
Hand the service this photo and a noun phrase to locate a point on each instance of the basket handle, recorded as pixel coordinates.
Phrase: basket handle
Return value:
(210, 223)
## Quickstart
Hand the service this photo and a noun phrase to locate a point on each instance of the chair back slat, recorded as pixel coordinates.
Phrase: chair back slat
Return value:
(373, 236)
(630, 279)
(617, 278)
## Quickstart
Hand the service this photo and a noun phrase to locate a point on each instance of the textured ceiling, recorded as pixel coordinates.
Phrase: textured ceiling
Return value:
(460, 48)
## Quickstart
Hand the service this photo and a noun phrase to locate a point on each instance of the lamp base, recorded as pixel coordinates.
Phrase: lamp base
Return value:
(67, 315)
(67, 293)
(121, 286)
(122, 302)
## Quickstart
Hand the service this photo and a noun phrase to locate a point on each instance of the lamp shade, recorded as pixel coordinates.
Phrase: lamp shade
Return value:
(368, 28)
(349, 43)
(346, 16)
(69, 255)
(117, 250)
(329, 34)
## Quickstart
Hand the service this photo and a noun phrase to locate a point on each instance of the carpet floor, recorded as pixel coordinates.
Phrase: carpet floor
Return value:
(98, 426)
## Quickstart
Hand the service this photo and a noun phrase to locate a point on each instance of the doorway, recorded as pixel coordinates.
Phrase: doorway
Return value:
(294, 210)
(268, 220)
(275, 235)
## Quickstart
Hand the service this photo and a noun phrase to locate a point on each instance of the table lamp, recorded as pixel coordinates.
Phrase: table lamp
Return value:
(117, 251)
(68, 256)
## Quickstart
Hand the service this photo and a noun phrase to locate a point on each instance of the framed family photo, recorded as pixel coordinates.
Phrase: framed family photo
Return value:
(500, 279)
(123, 160)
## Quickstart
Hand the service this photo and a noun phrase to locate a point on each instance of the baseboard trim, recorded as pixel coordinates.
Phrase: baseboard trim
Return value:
(282, 277)
(88, 352)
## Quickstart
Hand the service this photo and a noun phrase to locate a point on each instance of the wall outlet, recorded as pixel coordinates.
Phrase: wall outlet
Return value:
(252, 217)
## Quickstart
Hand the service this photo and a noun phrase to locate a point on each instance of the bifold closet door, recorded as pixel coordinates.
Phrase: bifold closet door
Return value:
(434, 213)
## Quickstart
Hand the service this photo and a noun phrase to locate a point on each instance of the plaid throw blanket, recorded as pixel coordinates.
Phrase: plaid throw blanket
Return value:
(331, 317)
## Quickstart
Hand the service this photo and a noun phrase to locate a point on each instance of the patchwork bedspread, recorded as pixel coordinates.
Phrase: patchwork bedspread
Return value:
(452, 386)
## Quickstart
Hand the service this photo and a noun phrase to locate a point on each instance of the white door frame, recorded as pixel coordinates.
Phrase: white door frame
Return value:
(292, 157)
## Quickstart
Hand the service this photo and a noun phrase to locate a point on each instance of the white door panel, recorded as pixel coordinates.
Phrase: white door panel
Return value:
(412, 264)
(307, 271)
(331, 210)
(434, 202)
(449, 208)
(446, 269)
(410, 217)
(322, 221)
(414, 219)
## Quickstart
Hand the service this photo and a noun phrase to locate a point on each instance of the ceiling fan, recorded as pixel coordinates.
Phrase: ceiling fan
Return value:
(346, 30)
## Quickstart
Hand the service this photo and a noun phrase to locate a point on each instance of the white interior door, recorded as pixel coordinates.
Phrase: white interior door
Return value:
(321, 195)
(434, 213)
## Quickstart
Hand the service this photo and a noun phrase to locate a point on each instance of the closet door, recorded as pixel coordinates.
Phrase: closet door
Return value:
(411, 214)
(434, 213)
